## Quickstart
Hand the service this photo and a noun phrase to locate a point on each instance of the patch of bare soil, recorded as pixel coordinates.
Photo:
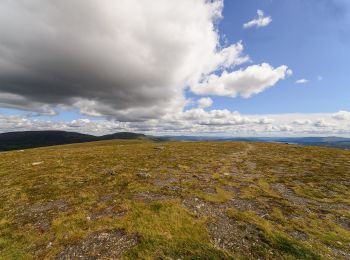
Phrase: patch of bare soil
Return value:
(100, 245)
(340, 254)
(111, 211)
(289, 195)
(150, 196)
(333, 206)
(232, 189)
(226, 233)
(250, 166)
(344, 222)
(247, 205)
(237, 237)
(200, 207)
(299, 235)
(108, 197)
(40, 215)
(165, 182)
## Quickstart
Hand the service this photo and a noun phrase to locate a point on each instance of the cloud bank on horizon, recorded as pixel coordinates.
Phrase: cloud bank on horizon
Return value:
(199, 122)
(131, 63)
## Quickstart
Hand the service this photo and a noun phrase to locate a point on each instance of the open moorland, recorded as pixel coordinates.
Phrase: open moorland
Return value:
(175, 200)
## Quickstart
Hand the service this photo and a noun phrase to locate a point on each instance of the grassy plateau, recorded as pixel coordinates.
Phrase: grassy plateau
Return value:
(175, 200)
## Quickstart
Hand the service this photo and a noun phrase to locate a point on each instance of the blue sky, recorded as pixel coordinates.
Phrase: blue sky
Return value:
(311, 37)
(118, 73)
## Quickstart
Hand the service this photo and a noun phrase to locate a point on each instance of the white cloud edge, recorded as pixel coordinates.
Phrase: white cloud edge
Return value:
(205, 102)
(302, 81)
(260, 21)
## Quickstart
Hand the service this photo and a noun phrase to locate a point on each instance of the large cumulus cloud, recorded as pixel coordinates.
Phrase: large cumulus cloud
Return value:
(127, 59)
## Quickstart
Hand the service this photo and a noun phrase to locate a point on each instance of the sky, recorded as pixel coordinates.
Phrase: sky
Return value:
(186, 67)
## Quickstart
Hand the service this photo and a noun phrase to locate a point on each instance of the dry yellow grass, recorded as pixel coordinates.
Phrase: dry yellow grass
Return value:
(180, 199)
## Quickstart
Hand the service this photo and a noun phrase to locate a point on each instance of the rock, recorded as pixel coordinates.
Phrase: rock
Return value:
(111, 172)
(108, 244)
(143, 175)
(37, 163)
(159, 148)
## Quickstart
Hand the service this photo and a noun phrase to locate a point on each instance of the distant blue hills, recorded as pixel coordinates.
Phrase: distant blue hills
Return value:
(32, 139)
(331, 141)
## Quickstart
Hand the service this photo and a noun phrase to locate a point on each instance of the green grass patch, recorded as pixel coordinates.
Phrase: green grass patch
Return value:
(167, 230)
(220, 196)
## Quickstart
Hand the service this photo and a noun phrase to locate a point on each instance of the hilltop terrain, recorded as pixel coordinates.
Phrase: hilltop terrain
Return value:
(137, 199)
(33, 139)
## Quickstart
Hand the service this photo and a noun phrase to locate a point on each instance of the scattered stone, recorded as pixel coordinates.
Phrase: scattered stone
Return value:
(344, 222)
(289, 194)
(37, 163)
(165, 182)
(299, 235)
(201, 207)
(40, 215)
(101, 245)
(108, 197)
(151, 196)
(112, 212)
(236, 237)
(144, 175)
(111, 172)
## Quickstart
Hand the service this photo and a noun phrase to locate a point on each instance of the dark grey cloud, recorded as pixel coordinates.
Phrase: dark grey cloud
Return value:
(127, 59)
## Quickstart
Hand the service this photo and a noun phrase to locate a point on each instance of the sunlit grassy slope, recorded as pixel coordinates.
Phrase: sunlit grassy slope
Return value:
(175, 200)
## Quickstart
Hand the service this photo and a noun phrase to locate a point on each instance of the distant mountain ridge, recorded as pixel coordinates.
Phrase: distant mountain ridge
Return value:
(329, 141)
(33, 139)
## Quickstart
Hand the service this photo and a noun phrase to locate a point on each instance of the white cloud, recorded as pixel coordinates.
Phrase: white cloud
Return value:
(260, 21)
(321, 123)
(197, 121)
(341, 115)
(302, 122)
(128, 60)
(252, 80)
(205, 102)
(301, 81)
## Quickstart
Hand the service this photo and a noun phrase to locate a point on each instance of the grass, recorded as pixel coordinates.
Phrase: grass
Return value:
(165, 236)
(294, 200)
(219, 196)
(274, 238)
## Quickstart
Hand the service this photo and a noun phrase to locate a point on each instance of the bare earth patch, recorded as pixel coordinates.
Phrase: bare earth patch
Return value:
(234, 236)
(100, 245)
(150, 197)
(40, 215)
